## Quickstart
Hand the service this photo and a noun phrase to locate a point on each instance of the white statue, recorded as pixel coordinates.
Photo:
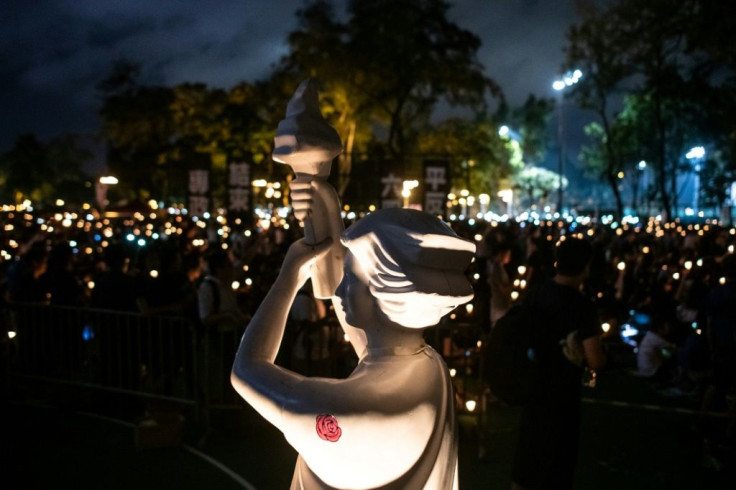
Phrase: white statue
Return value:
(391, 423)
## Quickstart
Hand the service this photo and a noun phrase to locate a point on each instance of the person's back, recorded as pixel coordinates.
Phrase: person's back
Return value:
(547, 447)
(59, 280)
(722, 326)
(23, 282)
(722, 313)
(114, 288)
(564, 310)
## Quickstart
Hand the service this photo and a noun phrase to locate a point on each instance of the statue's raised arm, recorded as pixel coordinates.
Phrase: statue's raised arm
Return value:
(391, 423)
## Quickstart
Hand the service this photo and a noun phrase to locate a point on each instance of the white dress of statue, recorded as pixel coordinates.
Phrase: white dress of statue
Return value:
(391, 423)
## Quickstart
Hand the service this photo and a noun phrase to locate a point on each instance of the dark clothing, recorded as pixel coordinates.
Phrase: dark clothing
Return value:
(550, 423)
(114, 290)
(22, 286)
(64, 287)
(722, 315)
(167, 289)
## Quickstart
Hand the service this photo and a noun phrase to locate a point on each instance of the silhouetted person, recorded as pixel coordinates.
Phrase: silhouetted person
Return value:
(547, 448)
(722, 336)
(499, 281)
(23, 284)
(59, 279)
(114, 288)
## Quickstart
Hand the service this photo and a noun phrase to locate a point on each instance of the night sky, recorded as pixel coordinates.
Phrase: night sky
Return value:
(54, 52)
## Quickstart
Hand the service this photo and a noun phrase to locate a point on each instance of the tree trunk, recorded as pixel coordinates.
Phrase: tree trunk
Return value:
(662, 159)
(345, 162)
(613, 182)
(611, 163)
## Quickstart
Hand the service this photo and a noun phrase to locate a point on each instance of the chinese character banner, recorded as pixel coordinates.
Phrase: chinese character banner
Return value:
(435, 185)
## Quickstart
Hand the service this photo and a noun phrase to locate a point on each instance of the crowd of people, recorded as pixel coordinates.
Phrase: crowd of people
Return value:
(668, 289)
(668, 281)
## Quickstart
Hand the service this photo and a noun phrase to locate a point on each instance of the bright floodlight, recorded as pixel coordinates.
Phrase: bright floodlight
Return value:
(568, 79)
(642, 165)
(695, 152)
(503, 131)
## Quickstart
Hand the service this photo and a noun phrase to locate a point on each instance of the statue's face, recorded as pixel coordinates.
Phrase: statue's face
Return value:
(354, 304)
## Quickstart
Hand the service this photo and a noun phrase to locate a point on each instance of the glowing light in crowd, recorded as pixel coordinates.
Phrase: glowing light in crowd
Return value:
(235, 285)
(621, 266)
(11, 334)
(453, 372)
(108, 179)
(688, 265)
(629, 331)
(470, 405)
(605, 327)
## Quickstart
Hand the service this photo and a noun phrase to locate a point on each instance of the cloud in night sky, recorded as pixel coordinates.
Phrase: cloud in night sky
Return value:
(55, 52)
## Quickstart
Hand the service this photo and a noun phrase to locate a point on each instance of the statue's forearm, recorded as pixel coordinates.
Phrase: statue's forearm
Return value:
(265, 331)
(256, 378)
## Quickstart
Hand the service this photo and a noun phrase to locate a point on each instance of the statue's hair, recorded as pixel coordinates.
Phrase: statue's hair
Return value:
(416, 264)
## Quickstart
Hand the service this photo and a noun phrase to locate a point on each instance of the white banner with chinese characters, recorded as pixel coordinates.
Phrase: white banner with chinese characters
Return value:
(198, 191)
(391, 182)
(435, 185)
(239, 198)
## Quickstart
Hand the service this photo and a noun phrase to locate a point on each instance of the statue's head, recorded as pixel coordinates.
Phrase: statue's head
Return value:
(414, 264)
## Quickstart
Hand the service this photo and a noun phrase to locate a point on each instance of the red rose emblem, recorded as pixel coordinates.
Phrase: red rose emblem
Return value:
(327, 428)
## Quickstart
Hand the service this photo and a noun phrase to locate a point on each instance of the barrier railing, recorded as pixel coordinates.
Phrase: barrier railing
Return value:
(171, 358)
(151, 356)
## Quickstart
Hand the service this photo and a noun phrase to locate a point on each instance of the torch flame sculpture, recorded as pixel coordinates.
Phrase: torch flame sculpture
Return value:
(308, 144)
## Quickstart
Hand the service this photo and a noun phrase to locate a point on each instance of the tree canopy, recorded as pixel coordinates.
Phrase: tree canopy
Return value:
(662, 55)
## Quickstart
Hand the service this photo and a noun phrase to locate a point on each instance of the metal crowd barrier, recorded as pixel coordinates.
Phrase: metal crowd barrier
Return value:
(150, 356)
(155, 356)
(172, 359)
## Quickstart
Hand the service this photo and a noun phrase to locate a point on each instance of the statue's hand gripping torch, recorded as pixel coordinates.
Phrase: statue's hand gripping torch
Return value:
(308, 144)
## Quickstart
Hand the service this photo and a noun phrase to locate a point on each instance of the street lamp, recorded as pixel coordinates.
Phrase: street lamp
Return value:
(696, 156)
(101, 187)
(642, 166)
(569, 79)
(508, 133)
